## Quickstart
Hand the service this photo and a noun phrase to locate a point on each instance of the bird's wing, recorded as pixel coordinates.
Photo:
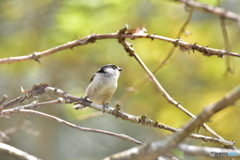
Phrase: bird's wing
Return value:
(92, 77)
(101, 70)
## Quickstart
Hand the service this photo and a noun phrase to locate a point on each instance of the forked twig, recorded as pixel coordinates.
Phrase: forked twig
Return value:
(143, 120)
(128, 48)
(184, 46)
(163, 147)
(163, 62)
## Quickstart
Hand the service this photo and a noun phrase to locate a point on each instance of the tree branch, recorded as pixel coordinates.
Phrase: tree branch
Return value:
(209, 111)
(121, 136)
(128, 48)
(14, 152)
(155, 149)
(143, 120)
(184, 46)
(211, 9)
(186, 149)
(162, 63)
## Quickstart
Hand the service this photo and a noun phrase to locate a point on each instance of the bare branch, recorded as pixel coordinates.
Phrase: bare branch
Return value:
(143, 120)
(229, 65)
(35, 91)
(12, 102)
(121, 136)
(128, 48)
(208, 152)
(131, 118)
(211, 9)
(130, 154)
(155, 149)
(177, 138)
(144, 80)
(36, 104)
(14, 152)
(184, 46)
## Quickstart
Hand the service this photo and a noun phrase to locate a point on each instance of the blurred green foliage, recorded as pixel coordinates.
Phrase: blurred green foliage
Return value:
(191, 79)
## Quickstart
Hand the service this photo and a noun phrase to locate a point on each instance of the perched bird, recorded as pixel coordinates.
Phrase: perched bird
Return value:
(103, 84)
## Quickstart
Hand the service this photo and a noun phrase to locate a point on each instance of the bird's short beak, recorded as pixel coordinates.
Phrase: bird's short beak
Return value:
(120, 69)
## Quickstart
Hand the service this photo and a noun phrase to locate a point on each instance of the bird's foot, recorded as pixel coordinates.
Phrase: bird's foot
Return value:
(84, 98)
(104, 107)
(81, 106)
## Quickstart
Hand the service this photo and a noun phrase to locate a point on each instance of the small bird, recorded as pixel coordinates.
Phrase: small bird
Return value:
(103, 85)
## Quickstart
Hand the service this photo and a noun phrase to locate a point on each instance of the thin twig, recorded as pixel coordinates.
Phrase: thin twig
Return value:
(211, 9)
(35, 91)
(12, 102)
(229, 65)
(121, 136)
(36, 104)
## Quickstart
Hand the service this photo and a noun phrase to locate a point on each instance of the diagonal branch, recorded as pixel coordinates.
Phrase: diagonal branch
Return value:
(209, 111)
(160, 148)
(128, 48)
(14, 152)
(211, 9)
(163, 62)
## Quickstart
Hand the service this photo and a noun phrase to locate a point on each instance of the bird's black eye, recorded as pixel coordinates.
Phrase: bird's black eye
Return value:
(114, 67)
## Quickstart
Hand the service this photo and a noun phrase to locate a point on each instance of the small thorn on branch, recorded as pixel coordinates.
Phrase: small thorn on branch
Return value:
(193, 47)
(35, 57)
(142, 119)
(155, 124)
(123, 30)
(222, 53)
(116, 110)
(176, 43)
